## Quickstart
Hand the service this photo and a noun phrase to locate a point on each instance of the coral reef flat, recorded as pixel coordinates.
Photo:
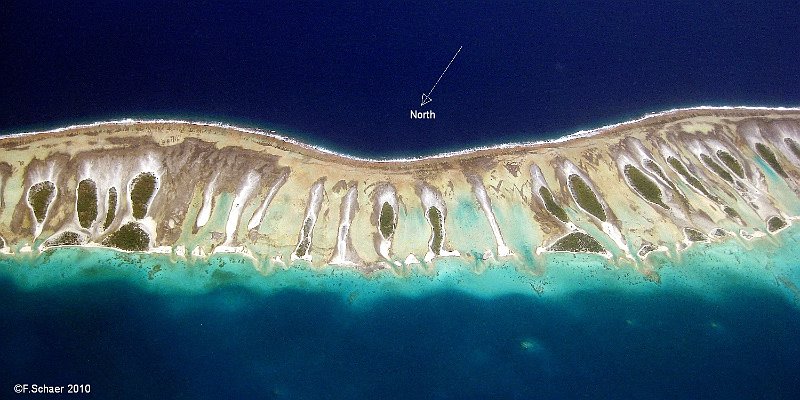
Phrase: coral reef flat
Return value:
(622, 194)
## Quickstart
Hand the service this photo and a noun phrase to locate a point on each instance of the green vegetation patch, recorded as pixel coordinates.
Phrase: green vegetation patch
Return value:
(130, 237)
(585, 197)
(646, 249)
(694, 235)
(652, 166)
(768, 156)
(793, 146)
(551, 205)
(142, 190)
(657, 169)
(730, 212)
(305, 242)
(731, 162)
(644, 185)
(67, 238)
(86, 204)
(437, 224)
(112, 207)
(387, 221)
(681, 169)
(716, 168)
(40, 196)
(577, 242)
(775, 223)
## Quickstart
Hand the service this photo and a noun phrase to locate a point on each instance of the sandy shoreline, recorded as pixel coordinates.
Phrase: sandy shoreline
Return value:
(281, 141)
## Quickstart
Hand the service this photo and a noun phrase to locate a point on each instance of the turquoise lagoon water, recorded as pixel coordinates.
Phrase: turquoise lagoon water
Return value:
(704, 268)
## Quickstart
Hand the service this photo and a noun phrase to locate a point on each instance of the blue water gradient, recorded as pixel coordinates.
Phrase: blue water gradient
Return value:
(722, 323)
(239, 343)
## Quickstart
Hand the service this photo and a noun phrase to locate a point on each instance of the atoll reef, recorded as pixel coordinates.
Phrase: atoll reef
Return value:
(623, 192)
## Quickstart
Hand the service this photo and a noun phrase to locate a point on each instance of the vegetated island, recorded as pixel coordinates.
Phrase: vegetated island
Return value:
(659, 183)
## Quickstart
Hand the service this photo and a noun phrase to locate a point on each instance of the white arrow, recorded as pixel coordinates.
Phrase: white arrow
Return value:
(426, 97)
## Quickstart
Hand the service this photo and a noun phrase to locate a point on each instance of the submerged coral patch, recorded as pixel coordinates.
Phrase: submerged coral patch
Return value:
(585, 197)
(40, 196)
(578, 242)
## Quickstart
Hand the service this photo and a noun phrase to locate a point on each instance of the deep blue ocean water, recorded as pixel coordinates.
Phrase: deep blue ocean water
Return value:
(236, 343)
(345, 77)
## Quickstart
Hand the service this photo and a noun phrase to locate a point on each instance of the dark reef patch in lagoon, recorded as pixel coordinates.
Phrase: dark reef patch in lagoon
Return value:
(238, 343)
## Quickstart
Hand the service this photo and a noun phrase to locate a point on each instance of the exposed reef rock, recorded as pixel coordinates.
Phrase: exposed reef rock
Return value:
(190, 189)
